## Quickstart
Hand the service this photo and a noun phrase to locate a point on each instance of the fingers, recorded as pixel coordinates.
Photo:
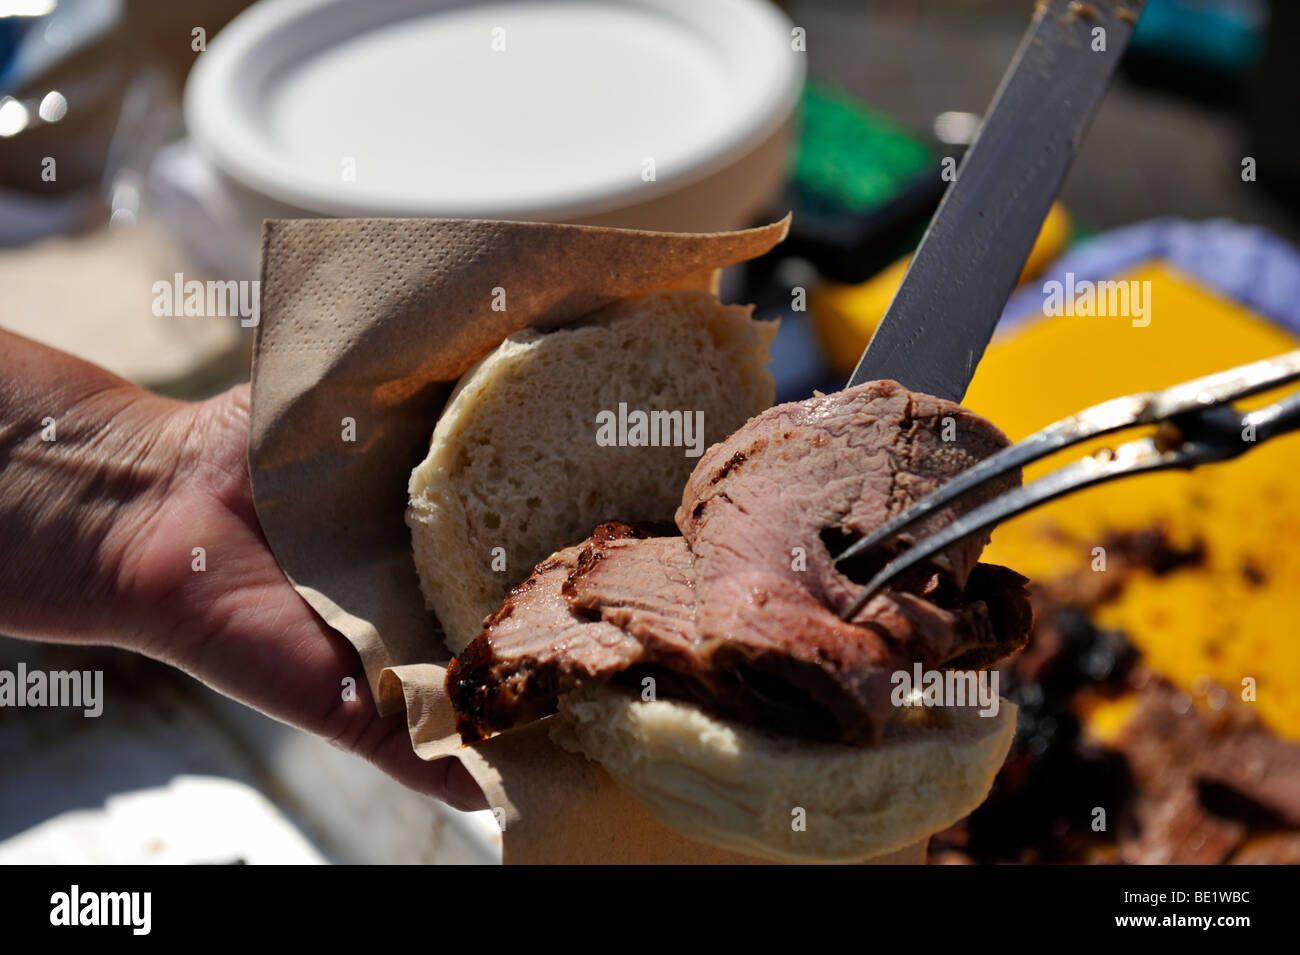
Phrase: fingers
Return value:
(307, 675)
(446, 779)
(462, 791)
(273, 651)
(385, 741)
(387, 744)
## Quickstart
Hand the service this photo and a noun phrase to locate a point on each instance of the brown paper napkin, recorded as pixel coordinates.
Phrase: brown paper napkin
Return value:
(365, 325)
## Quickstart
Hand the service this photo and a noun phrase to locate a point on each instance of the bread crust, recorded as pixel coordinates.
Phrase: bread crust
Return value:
(783, 798)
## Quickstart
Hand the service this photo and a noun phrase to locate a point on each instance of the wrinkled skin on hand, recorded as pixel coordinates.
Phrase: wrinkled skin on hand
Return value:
(97, 535)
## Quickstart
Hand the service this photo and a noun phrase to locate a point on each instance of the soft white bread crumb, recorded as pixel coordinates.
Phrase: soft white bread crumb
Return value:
(739, 788)
(514, 463)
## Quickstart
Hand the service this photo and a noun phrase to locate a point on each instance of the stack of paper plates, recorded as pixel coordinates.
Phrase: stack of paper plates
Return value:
(652, 113)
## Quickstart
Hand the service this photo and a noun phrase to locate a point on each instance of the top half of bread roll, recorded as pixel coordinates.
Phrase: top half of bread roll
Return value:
(521, 461)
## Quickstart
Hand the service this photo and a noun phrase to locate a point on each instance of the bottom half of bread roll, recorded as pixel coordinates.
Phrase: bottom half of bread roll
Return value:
(776, 796)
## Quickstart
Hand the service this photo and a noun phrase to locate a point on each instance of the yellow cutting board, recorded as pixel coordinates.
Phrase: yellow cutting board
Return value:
(1219, 622)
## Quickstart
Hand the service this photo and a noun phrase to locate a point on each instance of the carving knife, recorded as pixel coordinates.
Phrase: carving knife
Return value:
(941, 318)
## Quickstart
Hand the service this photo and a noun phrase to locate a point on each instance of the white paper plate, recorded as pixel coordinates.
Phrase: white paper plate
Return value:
(412, 99)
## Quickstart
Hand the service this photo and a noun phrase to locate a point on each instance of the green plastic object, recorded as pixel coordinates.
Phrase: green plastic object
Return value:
(851, 159)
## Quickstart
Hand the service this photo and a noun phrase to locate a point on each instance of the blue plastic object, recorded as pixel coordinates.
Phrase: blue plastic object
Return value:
(1219, 35)
(1247, 264)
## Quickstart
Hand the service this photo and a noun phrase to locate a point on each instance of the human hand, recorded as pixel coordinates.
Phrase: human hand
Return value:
(112, 511)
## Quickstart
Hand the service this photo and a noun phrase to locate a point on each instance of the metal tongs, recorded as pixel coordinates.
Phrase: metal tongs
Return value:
(1196, 424)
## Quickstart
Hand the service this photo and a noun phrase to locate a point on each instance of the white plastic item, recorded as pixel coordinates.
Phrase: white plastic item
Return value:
(654, 113)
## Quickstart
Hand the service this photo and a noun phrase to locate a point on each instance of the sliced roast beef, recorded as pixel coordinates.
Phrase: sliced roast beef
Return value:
(644, 586)
(535, 647)
(759, 510)
(740, 614)
(1205, 778)
(763, 502)
(795, 667)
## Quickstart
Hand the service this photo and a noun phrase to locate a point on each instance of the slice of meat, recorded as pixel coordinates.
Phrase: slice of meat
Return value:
(740, 614)
(1205, 779)
(758, 513)
(535, 647)
(794, 668)
(643, 586)
(646, 588)
(766, 500)
(996, 617)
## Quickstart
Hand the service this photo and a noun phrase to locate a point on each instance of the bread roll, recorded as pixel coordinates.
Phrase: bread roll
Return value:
(514, 463)
(740, 788)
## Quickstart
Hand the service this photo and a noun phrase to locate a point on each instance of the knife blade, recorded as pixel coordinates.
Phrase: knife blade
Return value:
(941, 318)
